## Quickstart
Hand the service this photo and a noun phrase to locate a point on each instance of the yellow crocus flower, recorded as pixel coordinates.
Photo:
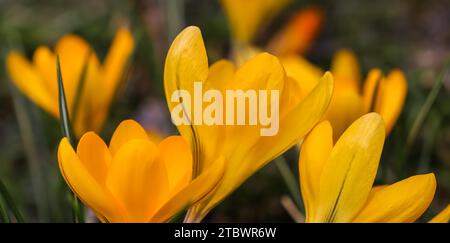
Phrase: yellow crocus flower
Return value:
(134, 180)
(336, 180)
(244, 150)
(297, 36)
(384, 95)
(442, 217)
(247, 17)
(37, 79)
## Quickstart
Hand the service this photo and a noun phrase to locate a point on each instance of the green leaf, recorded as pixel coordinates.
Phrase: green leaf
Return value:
(77, 210)
(63, 111)
(426, 107)
(4, 193)
(3, 213)
(289, 179)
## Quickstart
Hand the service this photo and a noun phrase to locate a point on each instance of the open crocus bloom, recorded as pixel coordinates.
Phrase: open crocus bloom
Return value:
(134, 180)
(244, 150)
(37, 79)
(384, 95)
(337, 179)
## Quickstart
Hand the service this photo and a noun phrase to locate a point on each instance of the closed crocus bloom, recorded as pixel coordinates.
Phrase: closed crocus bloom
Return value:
(243, 148)
(37, 79)
(337, 179)
(134, 180)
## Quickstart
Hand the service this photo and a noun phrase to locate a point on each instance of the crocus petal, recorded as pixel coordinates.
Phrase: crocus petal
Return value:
(197, 190)
(346, 71)
(348, 174)
(442, 217)
(73, 52)
(220, 73)
(186, 63)
(263, 72)
(314, 153)
(297, 35)
(346, 106)
(401, 202)
(241, 53)
(292, 95)
(116, 60)
(247, 17)
(112, 72)
(391, 97)
(176, 154)
(126, 131)
(306, 74)
(84, 116)
(95, 156)
(138, 180)
(29, 82)
(87, 189)
(45, 63)
(254, 74)
(370, 87)
(293, 126)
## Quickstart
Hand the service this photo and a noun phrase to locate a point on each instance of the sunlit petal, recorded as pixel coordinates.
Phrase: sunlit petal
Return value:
(391, 97)
(138, 180)
(442, 217)
(348, 174)
(126, 131)
(404, 201)
(314, 153)
(96, 196)
(28, 81)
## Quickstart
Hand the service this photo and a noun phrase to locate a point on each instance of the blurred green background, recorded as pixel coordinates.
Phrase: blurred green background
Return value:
(413, 35)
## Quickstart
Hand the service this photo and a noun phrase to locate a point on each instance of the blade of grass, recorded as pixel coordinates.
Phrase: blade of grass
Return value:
(36, 154)
(63, 111)
(77, 211)
(292, 209)
(3, 212)
(10, 202)
(290, 180)
(175, 14)
(426, 107)
(34, 143)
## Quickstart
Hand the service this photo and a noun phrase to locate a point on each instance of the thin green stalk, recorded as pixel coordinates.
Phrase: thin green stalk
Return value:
(63, 111)
(290, 180)
(35, 153)
(10, 202)
(77, 211)
(426, 107)
(3, 212)
(175, 17)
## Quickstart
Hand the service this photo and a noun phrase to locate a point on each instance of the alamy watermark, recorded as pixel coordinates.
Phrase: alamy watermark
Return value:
(235, 107)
